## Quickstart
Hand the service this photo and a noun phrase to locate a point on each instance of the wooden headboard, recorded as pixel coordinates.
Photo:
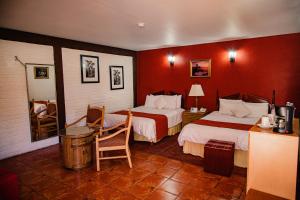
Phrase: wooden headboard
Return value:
(162, 92)
(246, 97)
(254, 99)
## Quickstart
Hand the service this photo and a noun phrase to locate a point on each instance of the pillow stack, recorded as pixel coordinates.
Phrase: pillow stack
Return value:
(163, 101)
(239, 108)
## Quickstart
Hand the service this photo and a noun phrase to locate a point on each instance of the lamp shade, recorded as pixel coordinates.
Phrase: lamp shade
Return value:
(196, 91)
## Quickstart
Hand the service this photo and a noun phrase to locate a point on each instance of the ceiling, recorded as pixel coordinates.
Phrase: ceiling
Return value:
(167, 22)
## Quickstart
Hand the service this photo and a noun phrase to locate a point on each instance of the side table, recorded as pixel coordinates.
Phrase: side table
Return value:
(77, 146)
(188, 116)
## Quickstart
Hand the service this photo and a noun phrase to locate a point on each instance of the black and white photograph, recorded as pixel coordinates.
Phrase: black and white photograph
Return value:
(41, 72)
(89, 69)
(116, 77)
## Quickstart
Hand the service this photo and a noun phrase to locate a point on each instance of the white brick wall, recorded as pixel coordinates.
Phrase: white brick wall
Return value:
(78, 95)
(14, 115)
(15, 137)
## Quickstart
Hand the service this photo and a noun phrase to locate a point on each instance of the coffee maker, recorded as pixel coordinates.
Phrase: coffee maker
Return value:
(284, 118)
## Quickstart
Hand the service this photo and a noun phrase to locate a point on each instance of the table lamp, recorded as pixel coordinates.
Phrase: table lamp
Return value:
(196, 91)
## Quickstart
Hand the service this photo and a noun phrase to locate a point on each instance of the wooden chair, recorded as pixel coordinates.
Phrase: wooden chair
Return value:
(46, 123)
(94, 117)
(118, 140)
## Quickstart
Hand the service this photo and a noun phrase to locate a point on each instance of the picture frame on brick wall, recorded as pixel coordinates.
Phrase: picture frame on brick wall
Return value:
(89, 69)
(116, 77)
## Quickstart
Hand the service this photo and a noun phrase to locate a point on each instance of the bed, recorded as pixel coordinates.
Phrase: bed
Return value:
(152, 123)
(220, 126)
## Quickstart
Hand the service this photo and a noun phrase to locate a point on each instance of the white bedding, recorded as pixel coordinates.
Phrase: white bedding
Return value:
(145, 126)
(201, 134)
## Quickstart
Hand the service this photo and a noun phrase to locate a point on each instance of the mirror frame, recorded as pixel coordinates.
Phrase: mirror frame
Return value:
(29, 100)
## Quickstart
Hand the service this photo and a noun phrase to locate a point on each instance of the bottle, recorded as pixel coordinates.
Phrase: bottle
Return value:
(273, 114)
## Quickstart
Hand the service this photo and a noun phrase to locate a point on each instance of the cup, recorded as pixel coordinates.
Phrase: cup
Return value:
(265, 121)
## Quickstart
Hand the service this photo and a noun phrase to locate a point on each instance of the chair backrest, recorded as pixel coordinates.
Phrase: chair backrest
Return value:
(32, 102)
(95, 113)
(51, 109)
(128, 126)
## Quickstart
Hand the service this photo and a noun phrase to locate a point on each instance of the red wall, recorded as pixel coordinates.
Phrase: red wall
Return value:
(262, 64)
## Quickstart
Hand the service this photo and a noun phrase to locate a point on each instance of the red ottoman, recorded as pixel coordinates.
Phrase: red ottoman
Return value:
(219, 157)
(8, 185)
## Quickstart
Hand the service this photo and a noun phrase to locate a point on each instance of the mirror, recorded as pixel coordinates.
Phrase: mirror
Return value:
(41, 90)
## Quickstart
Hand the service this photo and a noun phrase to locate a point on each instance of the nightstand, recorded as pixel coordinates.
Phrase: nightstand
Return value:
(188, 116)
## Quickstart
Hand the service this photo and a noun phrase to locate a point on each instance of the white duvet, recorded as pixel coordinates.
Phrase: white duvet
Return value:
(201, 134)
(146, 126)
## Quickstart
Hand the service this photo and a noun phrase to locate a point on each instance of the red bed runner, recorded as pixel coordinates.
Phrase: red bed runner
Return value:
(244, 127)
(161, 122)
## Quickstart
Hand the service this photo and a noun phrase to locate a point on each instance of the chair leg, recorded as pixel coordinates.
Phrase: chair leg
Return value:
(129, 152)
(97, 157)
(38, 133)
(128, 157)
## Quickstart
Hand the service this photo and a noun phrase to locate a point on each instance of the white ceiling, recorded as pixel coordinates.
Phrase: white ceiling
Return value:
(167, 22)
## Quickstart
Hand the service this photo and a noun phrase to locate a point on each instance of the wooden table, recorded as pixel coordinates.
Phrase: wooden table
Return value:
(273, 160)
(77, 146)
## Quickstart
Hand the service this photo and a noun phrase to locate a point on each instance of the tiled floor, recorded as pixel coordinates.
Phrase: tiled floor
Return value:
(154, 177)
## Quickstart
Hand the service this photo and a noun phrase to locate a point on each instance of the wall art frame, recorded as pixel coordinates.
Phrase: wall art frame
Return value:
(116, 77)
(200, 68)
(40, 71)
(89, 69)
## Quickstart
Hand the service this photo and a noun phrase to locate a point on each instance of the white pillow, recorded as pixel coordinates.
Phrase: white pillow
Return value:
(170, 101)
(178, 105)
(257, 109)
(227, 105)
(37, 107)
(163, 101)
(240, 110)
(149, 101)
(160, 102)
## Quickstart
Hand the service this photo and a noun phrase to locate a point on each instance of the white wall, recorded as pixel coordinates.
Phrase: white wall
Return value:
(79, 95)
(15, 136)
(41, 89)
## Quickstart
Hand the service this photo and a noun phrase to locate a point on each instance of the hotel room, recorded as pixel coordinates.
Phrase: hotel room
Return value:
(149, 99)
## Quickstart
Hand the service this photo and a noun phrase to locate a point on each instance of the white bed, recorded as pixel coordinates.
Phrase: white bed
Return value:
(145, 128)
(201, 134)
(193, 137)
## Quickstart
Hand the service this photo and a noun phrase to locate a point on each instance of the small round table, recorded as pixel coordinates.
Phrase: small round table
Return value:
(77, 146)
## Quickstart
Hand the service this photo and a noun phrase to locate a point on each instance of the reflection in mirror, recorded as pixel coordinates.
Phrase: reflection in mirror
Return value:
(42, 101)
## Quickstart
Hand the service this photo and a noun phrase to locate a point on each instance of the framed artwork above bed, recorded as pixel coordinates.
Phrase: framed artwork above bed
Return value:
(200, 68)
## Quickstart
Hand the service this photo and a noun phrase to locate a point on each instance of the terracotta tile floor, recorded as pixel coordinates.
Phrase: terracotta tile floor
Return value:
(42, 176)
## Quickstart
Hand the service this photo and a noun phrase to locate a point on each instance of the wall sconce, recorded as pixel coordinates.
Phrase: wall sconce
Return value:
(171, 59)
(232, 55)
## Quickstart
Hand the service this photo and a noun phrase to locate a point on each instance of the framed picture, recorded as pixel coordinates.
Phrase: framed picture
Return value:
(89, 69)
(41, 72)
(116, 77)
(200, 68)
